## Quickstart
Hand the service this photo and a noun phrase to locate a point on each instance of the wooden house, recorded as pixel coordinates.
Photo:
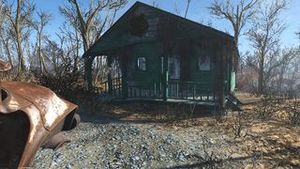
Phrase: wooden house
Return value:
(165, 57)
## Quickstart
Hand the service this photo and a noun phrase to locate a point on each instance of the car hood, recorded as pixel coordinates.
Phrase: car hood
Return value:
(18, 95)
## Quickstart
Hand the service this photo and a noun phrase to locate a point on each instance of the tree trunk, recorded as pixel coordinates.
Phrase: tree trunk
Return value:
(88, 63)
(19, 38)
(40, 55)
(261, 76)
(7, 49)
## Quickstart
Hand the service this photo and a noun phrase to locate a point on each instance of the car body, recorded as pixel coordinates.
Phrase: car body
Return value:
(31, 116)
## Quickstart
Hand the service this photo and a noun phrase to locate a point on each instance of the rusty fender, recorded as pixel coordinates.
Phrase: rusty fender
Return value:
(31, 116)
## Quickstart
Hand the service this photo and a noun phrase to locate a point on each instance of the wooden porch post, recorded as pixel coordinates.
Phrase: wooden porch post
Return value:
(88, 70)
(124, 76)
(222, 77)
(109, 78)
(219, 81)
(165, 78)
(229, 68)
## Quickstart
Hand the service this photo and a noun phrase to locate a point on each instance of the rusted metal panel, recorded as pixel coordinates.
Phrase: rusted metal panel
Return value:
(49, 105)
(31, 116)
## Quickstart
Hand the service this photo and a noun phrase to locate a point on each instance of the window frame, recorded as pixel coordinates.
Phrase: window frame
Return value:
(198, 63)
(138, 68)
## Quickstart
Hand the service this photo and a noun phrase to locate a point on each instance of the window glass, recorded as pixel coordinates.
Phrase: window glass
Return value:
(204, 63)
(141, 63)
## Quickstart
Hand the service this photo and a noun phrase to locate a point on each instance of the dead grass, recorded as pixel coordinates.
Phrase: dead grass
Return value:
(260, 142)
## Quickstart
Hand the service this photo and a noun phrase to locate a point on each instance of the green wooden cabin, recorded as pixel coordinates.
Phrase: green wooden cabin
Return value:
(165, 57)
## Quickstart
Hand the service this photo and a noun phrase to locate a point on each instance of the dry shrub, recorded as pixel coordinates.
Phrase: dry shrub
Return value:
(13, 75)
(268, 107)
(239, 125)
(65, 84)
(293, 108)
(282, 109)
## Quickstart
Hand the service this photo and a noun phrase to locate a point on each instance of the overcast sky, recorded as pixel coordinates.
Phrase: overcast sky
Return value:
(198, 12)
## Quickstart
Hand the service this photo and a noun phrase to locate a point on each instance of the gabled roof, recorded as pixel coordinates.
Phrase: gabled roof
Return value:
(94, 49)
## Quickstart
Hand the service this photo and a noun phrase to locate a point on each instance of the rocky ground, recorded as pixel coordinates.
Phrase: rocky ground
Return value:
(102, 141)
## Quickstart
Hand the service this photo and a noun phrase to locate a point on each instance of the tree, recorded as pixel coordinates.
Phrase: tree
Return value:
(70, 43)
(6, 46)
(2, 13)
(20, 23)
(177, 9)
(4, 39)
(89, 23)
(43, 19)
(187, 8)
(237, 14)
(265, 36)
(155, 3)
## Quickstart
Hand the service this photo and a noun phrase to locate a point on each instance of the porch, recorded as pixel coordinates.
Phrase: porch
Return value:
(118, 89)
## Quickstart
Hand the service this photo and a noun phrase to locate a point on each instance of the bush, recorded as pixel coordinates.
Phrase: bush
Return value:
(294, 111)
(14, 75)
(65, 84)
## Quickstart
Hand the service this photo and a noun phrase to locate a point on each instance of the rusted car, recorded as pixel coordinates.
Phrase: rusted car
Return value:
(31, 116)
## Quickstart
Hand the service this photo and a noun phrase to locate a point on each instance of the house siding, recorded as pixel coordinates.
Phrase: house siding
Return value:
(152, 53)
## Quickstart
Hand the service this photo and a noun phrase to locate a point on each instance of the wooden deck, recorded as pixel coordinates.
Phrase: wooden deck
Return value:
(181, 92)
(161, 101)
(177, 92)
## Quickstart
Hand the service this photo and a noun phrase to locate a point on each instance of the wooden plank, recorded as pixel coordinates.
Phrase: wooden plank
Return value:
(194, 91)
(155, 90)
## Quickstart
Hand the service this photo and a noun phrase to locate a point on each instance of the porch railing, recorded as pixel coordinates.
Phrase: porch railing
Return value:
(115, 89)
(189, 90)
(145, 90)
(177, 90)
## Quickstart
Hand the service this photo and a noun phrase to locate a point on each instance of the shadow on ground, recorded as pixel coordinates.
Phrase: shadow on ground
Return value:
(143, 112)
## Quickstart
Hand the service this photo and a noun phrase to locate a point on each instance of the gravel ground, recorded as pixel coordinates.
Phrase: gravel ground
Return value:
(100, 142)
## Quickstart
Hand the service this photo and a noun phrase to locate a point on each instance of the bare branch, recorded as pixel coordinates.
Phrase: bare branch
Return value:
(265, 36)
(237, 15)
(20, 18)
(187, 8)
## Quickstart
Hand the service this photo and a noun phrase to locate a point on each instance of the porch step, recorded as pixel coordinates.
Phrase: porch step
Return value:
(233, 102)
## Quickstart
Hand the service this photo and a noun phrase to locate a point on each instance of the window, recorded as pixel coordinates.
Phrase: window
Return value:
(174, 67)
(204, 63)
(141, 63)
